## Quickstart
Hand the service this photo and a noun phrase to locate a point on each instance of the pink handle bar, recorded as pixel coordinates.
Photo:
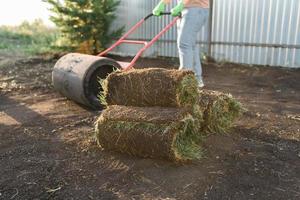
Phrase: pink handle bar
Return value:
(145, 43)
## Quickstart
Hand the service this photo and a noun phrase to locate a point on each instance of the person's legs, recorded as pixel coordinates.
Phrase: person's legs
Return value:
(191, 23)
(186, 40)
(197, 64)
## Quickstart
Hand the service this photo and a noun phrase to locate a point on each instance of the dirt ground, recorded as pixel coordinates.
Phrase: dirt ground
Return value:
(47, 149)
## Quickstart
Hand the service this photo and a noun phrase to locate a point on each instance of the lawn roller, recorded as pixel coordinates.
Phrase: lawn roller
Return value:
(76, 76)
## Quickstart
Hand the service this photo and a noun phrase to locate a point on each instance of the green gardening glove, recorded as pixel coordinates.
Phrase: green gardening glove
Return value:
(159, 8)
(177, 9)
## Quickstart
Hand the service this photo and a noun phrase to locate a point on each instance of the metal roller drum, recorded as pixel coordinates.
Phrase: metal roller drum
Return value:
(76, 76)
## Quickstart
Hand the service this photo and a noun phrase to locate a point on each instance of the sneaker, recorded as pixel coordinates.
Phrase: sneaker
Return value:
(200, 84)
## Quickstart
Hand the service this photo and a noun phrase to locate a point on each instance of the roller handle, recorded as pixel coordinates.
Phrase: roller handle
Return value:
(163, 13)
(147, 44)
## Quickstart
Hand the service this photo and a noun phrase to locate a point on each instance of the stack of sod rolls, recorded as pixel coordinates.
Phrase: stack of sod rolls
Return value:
(155, 113)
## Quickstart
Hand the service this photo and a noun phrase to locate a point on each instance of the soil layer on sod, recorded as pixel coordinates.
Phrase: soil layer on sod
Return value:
(169, 133)
(151, 87)
(219, 110)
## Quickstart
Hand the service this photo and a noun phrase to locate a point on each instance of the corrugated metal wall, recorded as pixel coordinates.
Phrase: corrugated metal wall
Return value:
(264, 32)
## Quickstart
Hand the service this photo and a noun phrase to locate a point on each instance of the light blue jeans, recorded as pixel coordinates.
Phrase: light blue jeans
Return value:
(193, 19)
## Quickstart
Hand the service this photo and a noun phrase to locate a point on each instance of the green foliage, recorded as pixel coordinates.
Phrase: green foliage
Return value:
(103, 90)
(86, 23)
(28, 38)
(187, 91)
(187, 143)
(222, 113)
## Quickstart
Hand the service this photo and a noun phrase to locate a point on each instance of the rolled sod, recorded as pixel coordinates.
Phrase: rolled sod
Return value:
(154, 132)
(151, 87)
(219, 110)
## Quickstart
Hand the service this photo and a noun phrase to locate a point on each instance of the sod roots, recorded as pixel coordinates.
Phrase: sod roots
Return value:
(219, 111)
(155, 132)
(151, 87)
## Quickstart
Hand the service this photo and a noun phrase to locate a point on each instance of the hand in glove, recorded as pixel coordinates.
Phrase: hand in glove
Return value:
(177, 9)
(159, 8)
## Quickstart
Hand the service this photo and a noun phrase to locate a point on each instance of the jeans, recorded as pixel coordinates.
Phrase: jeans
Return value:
(193, 19)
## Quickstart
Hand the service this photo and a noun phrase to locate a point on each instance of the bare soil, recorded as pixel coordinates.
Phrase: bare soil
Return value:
(47, 149)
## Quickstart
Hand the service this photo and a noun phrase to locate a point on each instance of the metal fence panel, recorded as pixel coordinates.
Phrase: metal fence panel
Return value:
(264, 32)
